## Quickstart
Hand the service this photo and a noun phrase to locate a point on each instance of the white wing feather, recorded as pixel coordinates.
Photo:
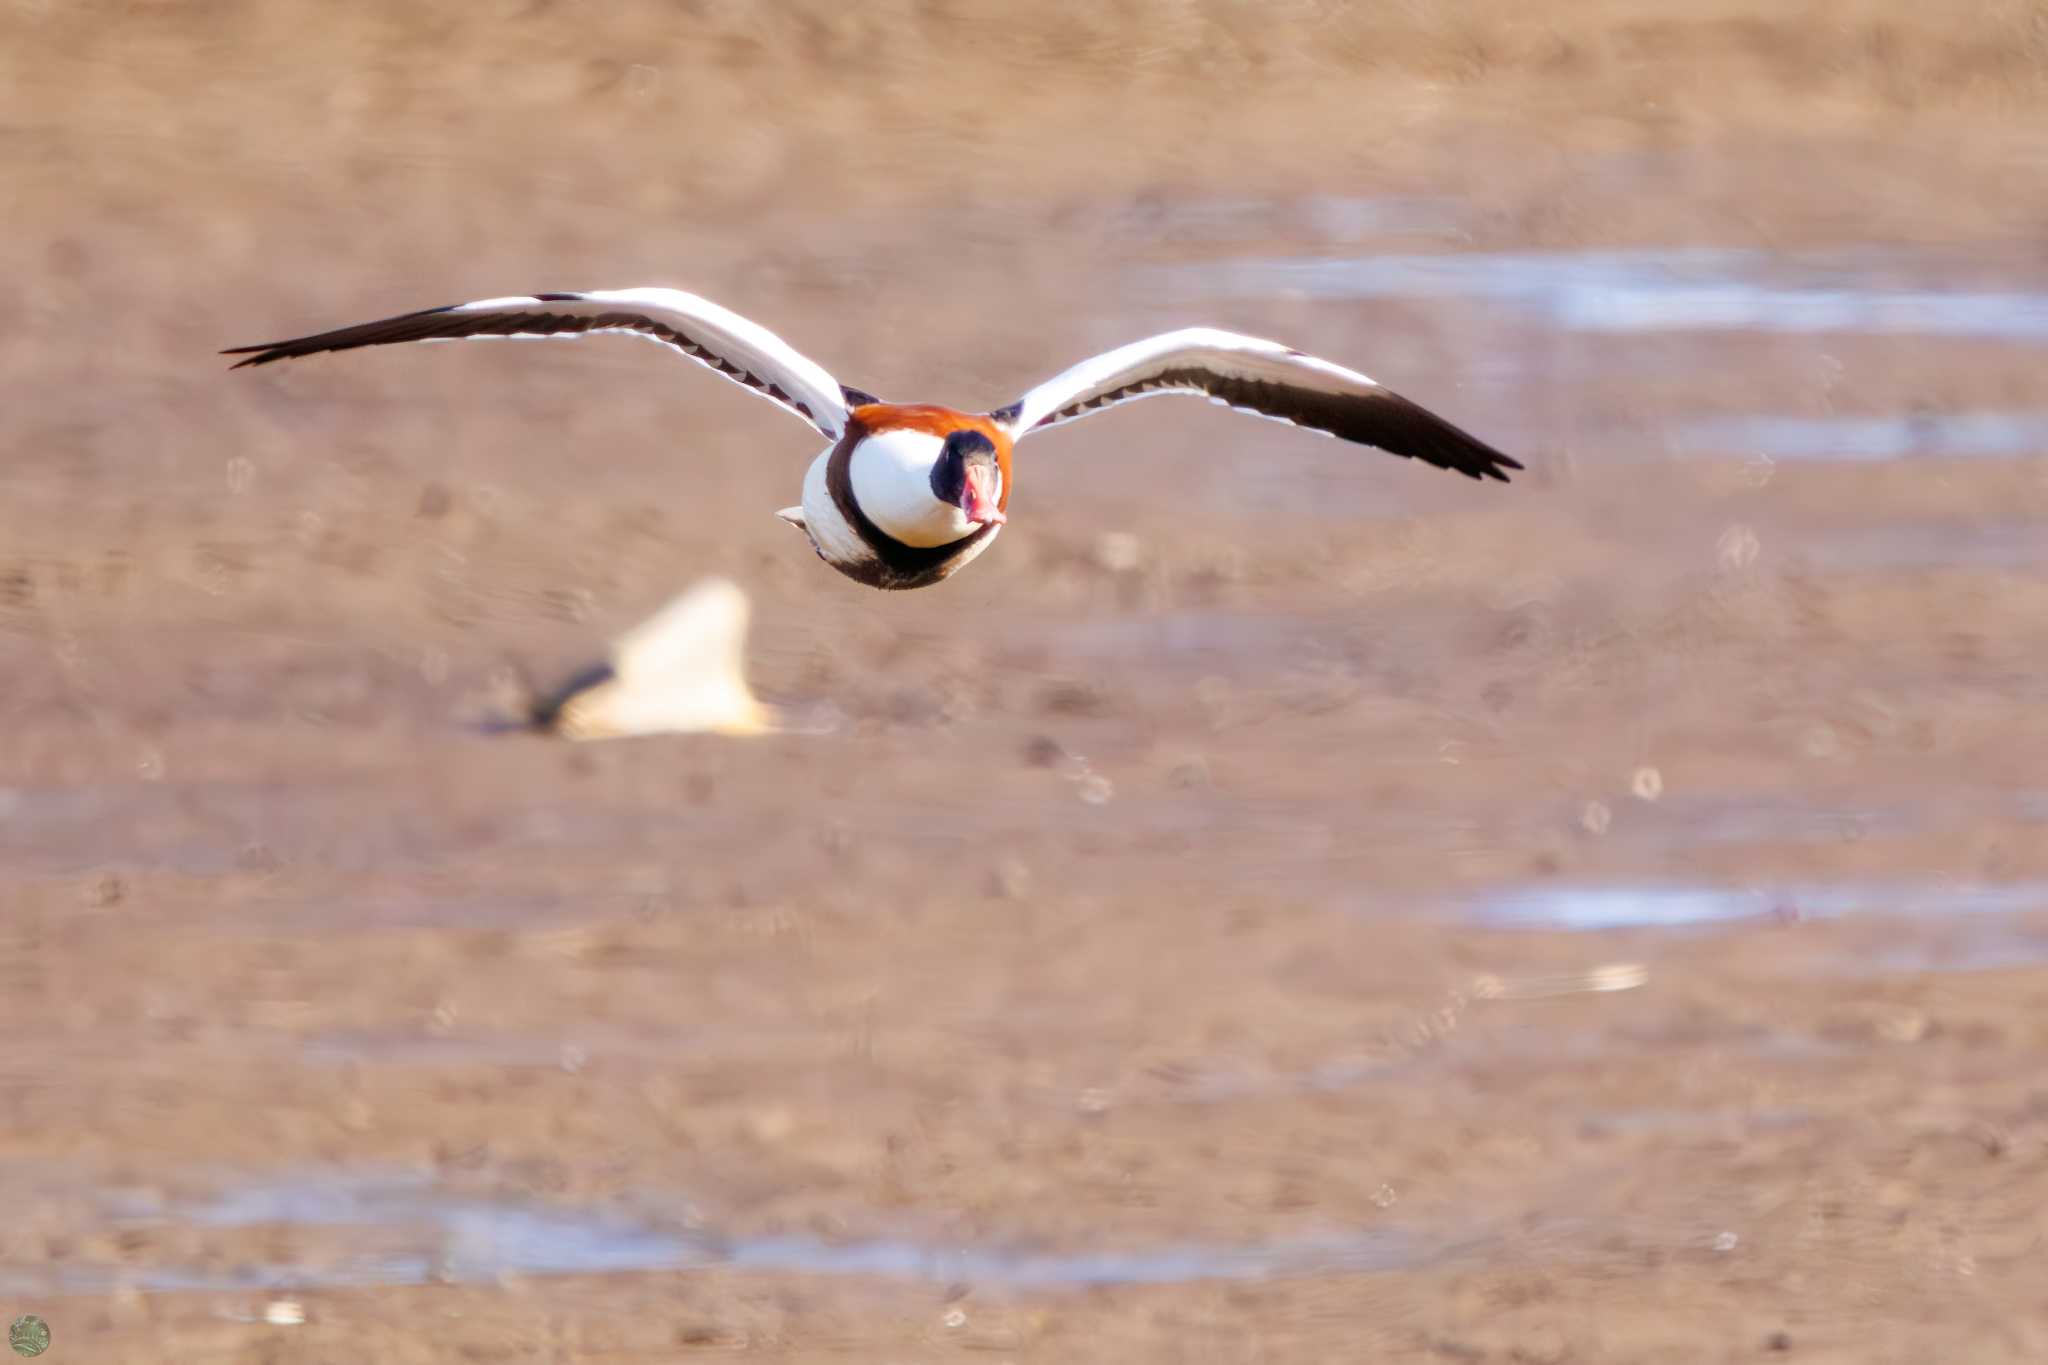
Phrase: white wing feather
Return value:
(1261, 377)
(1081, 389)
(718, 338)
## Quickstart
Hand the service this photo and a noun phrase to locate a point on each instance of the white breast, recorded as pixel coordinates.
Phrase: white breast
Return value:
(891, 474)
(831, 533)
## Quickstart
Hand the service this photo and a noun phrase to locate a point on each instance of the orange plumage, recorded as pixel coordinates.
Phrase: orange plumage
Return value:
(935, 420)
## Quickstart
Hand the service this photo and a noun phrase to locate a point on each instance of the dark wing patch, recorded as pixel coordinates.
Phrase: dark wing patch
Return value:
(425, 325)
(857, 398)
(544, 711)
(1380, 418)
(457, 320)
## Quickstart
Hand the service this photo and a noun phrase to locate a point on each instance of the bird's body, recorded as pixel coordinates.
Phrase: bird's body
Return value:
(908, 494)
(869, 504)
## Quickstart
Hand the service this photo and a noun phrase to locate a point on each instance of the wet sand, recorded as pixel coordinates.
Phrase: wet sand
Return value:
(1280, 903)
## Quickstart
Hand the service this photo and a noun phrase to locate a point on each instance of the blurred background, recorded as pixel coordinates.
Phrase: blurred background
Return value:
(1282, 903)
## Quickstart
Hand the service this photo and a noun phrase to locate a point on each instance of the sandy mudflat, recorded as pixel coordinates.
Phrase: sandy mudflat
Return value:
(1180, 945)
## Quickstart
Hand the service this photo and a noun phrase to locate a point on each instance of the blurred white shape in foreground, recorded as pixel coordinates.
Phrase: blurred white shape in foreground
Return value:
(1610, 976)
(681, 671)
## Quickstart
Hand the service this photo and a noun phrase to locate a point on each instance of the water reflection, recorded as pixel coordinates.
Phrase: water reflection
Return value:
(1649, 289)
(1652, 905)
(448, 1237)
(1911, 435)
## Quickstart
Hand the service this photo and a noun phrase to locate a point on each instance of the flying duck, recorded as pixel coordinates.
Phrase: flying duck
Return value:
(681, 670)
(907, 494)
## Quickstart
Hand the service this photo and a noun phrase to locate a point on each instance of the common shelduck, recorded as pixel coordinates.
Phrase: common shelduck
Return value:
(907, 494)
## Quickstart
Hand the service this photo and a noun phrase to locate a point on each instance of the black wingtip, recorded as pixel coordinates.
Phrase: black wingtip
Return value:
(544, 709)
(1481, 464)
(264, 352)
(341, 339)
(1407, 428)
(1461, 454)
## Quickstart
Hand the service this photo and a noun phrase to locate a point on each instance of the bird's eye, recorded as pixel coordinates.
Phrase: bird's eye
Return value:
(949, 473)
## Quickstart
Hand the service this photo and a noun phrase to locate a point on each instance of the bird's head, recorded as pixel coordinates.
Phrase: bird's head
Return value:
(969, 475)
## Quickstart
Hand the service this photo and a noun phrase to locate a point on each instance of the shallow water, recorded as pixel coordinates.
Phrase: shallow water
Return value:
(449, 1238)
(1616, 907)
(1870, 291)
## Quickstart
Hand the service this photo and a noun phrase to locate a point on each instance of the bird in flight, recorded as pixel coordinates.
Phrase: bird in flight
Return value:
(907, 494)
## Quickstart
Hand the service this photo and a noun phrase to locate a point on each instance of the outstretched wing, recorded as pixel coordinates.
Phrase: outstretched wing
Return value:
(1259, 377)
(743, 351)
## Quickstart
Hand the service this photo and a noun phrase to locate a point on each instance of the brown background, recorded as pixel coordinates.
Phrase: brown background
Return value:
(1115, 979)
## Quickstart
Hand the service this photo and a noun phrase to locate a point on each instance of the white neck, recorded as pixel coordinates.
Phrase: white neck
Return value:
(891, 473)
